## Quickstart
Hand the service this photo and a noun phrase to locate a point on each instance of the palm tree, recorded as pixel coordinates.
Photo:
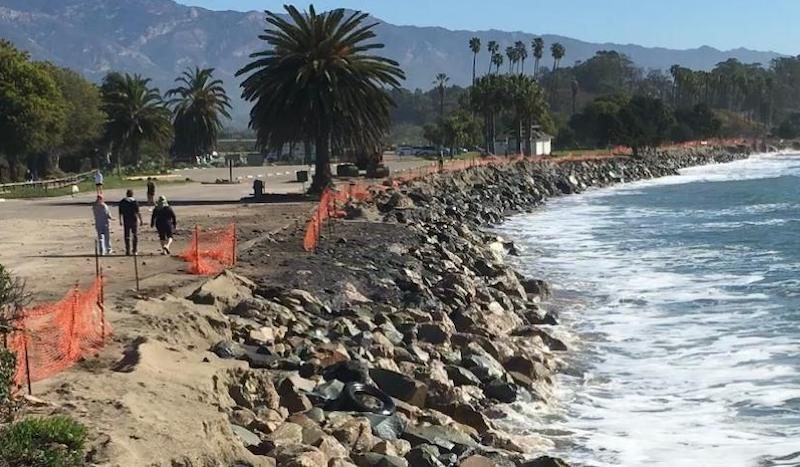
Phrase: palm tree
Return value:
(475, 47)
(575, 88)
(538, 52)
(497, 61)
(493, 47)
(440, 82)
(319, 81)
(198, 105)
(136, 114)
(488, 97)
(511, 53)
(522, 54)
(558, 52)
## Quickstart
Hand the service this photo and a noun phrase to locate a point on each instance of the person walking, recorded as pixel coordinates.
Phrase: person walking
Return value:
(98, 182)
(102, 218)
(164, 221)
(151, 191)
(130, 219)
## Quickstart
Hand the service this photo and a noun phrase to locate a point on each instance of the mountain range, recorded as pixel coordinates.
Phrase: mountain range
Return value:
(160, 38)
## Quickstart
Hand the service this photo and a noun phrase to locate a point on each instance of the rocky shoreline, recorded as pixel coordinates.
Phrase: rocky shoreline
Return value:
(405, 338)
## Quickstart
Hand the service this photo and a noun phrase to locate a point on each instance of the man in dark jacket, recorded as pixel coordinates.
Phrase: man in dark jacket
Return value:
(165, 222)
(130, 219)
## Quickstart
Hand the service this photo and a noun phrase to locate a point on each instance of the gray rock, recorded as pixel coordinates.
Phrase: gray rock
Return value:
(228, 349)
(386, 427)
(502, 391)
(433, 333)
(373, 459)
(400, 386)
(444, 437)
(424, 456)
(462, 377)
(247, 437)
(545, 461)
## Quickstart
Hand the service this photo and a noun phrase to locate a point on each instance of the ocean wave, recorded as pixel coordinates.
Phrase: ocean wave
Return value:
(686, 316)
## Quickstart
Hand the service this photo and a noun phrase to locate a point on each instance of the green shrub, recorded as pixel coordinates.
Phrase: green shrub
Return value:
(8, 366)
(43, 442)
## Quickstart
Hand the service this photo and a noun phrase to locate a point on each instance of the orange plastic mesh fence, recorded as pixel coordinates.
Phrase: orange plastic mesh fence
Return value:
(211, 250)
(59, 334)
(331, 199)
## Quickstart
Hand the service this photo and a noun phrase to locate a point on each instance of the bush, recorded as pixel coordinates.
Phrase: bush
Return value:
(8, 367)
(43, 442)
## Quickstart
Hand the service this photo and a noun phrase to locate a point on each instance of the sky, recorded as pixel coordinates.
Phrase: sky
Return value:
(680, 24)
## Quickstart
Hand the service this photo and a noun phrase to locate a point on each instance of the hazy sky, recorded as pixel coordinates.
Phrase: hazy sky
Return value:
(725, 24)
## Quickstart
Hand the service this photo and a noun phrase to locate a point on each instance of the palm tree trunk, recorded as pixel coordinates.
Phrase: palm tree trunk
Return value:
(528, 137)
(441, 102)
(518, 135)
(322, 176)
(474, 64)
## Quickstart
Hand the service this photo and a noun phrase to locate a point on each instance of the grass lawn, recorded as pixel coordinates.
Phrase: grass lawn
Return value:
(110, 182)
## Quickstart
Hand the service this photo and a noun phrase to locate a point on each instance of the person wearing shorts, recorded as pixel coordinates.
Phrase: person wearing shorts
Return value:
(98, 181)
(164, 221)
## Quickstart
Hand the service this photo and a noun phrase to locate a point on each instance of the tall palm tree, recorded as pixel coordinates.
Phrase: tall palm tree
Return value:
(440, 82)
(497, 61)
(319, 81)
(538, 52)
(475, 47)
(493, 47)
(198, 105)
(574, 87)
(522, 55)
(558, 52)
(136, 114)
(511, 53)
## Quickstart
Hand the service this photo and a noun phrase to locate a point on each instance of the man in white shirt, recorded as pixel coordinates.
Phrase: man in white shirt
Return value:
(102, 218)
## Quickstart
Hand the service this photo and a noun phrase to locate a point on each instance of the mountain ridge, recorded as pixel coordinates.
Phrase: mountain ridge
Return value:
(160, 38)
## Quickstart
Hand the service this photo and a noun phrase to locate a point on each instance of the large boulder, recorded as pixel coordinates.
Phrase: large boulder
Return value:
(400, 386)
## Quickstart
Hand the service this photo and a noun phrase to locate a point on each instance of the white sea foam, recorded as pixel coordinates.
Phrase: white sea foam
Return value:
(687, 357)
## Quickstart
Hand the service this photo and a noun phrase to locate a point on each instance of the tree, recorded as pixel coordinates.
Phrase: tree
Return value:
(475, 47)
(83, 120)
(488, 97)
(319, 81)
(497, 61)
(558, 52)
(598, 124)
(33, 108)
(440, 82)
(528, 106)
(522, 54)
(511, 54)
(136, 115)
(493, 47)
(538, 52)
(198, 105)
(699, 120)
(645, 123)
(574, 87)
(459, 129)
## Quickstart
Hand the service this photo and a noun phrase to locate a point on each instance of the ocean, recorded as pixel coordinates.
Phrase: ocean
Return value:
(680, 298)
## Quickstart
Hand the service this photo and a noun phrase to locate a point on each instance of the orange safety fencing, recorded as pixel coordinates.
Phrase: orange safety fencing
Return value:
(50, 338)
(211, 251)
(331, 198)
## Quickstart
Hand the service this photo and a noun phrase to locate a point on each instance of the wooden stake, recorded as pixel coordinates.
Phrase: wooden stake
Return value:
(27, 363)
(136, 270)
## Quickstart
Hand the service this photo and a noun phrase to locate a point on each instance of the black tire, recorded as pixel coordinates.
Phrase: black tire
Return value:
(351, 399)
